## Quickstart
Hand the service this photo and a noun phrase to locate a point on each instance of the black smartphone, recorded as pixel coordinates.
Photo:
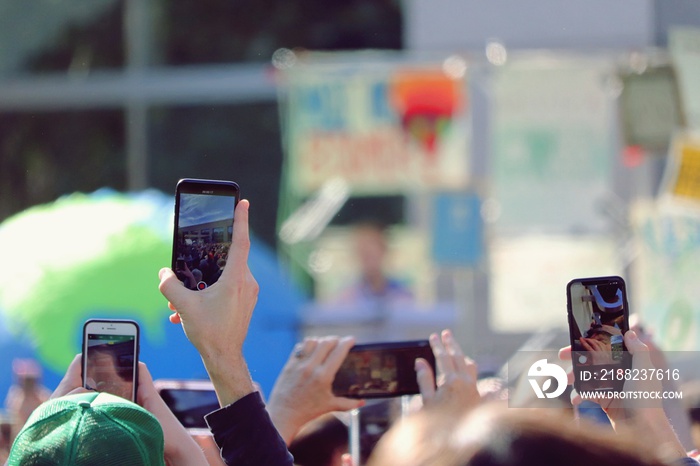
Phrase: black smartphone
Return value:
(598, 319)
(382, 370)
(203, 230)
(110, 356)
(189, 400)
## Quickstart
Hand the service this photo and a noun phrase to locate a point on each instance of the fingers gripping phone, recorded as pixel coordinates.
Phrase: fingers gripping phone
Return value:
(598, 319)
(382, 370)
(110, 356)
(203, 230)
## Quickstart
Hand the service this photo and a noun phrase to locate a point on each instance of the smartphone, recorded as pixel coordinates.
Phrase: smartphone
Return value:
(203, 230)
(598, 319)
(382, 370)
(189, 400)
(110, 357)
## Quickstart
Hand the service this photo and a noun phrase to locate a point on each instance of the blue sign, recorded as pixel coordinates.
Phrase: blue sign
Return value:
(457, 238)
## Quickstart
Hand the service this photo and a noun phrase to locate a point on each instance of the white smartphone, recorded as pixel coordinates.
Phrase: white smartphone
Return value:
(110, 356)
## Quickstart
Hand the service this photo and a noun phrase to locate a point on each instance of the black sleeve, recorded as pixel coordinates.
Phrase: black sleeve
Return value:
(685, 462)
(245, 434)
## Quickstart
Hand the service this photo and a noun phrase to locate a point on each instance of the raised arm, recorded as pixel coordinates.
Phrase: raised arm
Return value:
(216, 321)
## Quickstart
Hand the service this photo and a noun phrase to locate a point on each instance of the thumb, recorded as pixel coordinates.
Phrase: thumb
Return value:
(72, 379)
(172, 288)
(346, 404)
(634, 344)
(640, 352)
(426, 380)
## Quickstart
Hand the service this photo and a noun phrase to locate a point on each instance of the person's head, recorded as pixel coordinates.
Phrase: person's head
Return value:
(371, 247)
(321, 442)
(89, 429)
(493, 436)
(601, 335)
(27, 372)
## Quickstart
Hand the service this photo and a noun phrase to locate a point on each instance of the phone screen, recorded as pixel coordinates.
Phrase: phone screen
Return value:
(382, 370)
(598, 319)
(110, 363)
(190, 405)
(203, 230)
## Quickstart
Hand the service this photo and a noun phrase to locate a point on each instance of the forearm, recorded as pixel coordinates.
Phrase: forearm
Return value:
(285, 422)
(230, 376)
(184, 451)
(652, 427)
(661, 431)
(187, 455)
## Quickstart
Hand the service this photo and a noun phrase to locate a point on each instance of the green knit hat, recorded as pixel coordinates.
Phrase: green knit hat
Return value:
(89, 429)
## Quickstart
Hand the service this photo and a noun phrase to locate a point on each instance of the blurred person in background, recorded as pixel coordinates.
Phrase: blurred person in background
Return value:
(26, 394)
(374, 290)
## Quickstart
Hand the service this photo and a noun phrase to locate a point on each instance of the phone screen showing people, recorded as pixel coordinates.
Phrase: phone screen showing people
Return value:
(204, 211)
(111, 364)
(381, 370)
(598, 319)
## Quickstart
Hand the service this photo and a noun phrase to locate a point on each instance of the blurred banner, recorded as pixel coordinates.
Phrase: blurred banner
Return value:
(457, 229)
(682, 176)
(666, 274)
(383, 126)
(553, 160)
(650, 108)
(530, 274)
(552, 150)
(684, 45)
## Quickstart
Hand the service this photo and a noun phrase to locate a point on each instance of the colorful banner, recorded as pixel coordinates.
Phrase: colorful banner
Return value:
(684, 45)
(666, 272)
(383, 127)
(682, 176)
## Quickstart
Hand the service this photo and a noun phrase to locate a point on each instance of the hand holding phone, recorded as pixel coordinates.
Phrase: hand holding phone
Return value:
(110, 357)
(459, 375)
(598, 319)
(302, 391)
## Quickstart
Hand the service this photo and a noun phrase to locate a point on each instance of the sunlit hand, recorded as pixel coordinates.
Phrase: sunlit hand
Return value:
(72, 381)
(648, 414)
(458, 388)
(600, 352)
(303, 390)
(216, 319)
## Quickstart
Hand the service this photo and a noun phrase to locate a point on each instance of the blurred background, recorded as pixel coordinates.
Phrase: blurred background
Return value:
(504, 147)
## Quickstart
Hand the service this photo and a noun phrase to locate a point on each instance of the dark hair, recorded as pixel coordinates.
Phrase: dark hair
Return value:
(318, 441)
(506, 437)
